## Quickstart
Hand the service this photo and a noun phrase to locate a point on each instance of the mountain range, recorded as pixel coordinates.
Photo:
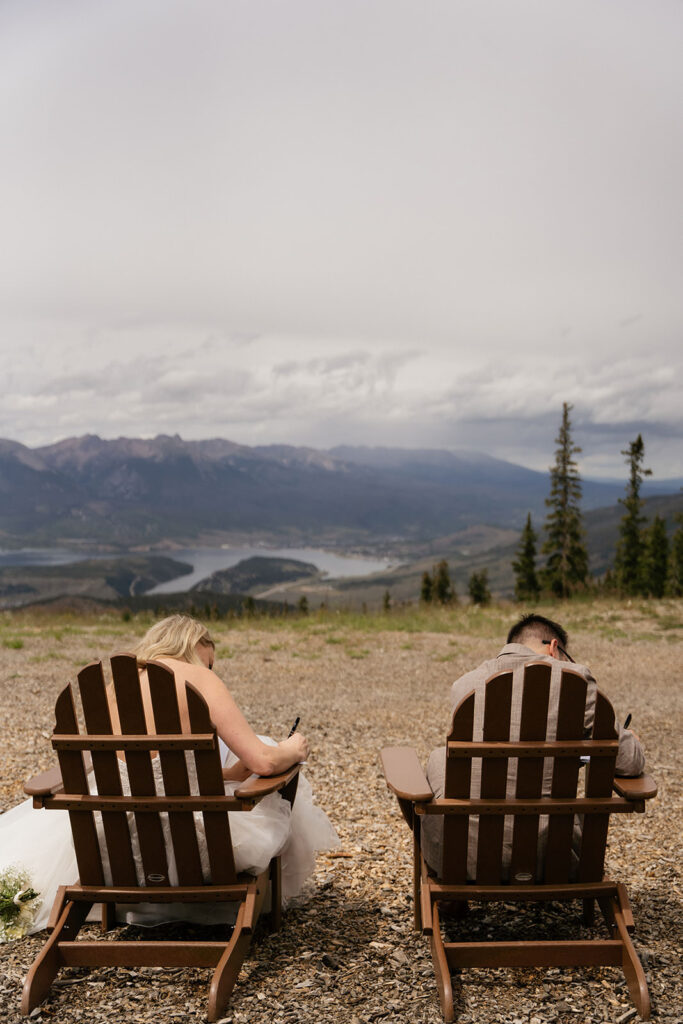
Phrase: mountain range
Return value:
(131, 492)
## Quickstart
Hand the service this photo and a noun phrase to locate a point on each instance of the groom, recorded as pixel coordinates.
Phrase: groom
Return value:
(533, 638)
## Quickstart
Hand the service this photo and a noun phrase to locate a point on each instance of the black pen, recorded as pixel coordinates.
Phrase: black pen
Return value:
(294, 727)
(626, 723)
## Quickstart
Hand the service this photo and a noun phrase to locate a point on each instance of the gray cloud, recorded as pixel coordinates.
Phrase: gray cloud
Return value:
(344, 222)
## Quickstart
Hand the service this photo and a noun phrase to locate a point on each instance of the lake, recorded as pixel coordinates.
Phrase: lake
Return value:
(205, 561)
(208, 560)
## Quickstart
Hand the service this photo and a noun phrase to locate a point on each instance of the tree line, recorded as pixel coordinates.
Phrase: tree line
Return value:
(646, 563)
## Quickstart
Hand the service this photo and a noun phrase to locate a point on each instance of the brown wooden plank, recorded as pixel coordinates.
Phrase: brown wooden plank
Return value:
(568, 891)
(174, 771)
(72, 768)
(141, 954)
(533, 726)
(599, 778)
(403, 773)
(142, 742)
(643, 787)
(139, 765)
(565, 953)
(457, 785)
(159, 894)
(106, 770)
(540, 748)
(210, 782)
(494, 777)
(262, 785)
(155, 804)
(570, 718)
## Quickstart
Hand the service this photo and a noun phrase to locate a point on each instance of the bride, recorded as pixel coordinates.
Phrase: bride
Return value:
(39, 842)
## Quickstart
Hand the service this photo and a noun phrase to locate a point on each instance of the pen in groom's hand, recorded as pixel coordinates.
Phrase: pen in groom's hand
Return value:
(294, 727)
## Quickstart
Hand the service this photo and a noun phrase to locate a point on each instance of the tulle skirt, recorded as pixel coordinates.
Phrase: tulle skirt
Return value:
(39, 842)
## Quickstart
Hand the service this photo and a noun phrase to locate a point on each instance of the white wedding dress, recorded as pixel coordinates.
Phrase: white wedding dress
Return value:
(39, 842)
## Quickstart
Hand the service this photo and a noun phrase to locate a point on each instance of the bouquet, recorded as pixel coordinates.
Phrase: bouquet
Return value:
(18, 903)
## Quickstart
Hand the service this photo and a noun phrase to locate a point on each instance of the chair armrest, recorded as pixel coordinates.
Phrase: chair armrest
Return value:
(262, 785)
(45, 784)
(404, 774)
(643, 787)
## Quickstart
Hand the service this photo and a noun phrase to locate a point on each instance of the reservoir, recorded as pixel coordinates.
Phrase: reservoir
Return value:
(208, 560)
(205, 561)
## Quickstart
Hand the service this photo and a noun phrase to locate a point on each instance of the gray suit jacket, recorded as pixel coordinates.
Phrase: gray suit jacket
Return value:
(513, 657)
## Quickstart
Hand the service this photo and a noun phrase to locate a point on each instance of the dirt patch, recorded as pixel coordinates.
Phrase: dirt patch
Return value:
(347, 951)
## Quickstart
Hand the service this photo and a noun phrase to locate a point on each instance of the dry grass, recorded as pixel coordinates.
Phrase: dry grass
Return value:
(360, 683)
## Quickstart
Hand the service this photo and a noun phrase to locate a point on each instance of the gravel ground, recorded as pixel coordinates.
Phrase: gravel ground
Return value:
(347, 952)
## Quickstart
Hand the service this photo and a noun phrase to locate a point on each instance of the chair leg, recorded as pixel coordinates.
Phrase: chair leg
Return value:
(228, 968)
(57, 908)
(588, 916)
(108, 916)
(633, 969)
(275, 894)
(46, 965)
(417, 877)
(441, 968)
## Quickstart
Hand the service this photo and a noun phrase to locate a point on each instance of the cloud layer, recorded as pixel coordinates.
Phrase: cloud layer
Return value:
(322, 222)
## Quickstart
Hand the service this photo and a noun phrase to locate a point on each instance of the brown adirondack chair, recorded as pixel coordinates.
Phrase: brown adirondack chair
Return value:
(509, 863)
(140, 813)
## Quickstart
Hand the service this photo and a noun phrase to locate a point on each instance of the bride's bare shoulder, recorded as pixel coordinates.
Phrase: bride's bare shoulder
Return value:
(188, 671)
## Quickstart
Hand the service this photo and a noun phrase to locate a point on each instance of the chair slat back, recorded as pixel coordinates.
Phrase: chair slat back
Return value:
(458, 782)
(599, 778)
(571, 710)
(138, 847)
(533, 726)
(105, 764)
(536, 705)
(174, 772)
(210, 783)
(75, 779)
(139, 768)
(497, 708)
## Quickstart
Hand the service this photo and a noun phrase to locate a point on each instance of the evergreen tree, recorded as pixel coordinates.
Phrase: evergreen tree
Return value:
(303, 605)
(442, 589)
(526, 580)
(674, 583)
(566, 565)
(656, 562)
(628, 565)
(386, 601)
(478, 587)
(426, 588)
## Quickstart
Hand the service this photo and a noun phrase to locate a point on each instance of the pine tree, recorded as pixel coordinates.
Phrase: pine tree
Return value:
(566, 566)
(674, 583)
(386, 601)
(442, 589)
(526, 580)
(656, 561)
(478, 587)
(628, 564)
(426, 588)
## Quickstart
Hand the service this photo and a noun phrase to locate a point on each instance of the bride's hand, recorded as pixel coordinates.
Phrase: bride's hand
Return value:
(297, 746)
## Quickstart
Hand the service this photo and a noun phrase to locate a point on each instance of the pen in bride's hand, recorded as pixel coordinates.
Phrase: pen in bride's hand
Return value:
(294, 727)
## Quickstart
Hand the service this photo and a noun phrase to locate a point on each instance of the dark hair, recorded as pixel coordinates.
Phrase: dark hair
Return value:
(540, 628)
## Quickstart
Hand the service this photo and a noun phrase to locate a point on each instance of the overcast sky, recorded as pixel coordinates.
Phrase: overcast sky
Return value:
(386, 222)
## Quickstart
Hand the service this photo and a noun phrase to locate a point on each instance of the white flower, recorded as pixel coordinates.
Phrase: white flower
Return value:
(18, 903)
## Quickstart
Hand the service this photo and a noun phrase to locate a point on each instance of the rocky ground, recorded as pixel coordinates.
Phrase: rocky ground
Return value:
(347, 951)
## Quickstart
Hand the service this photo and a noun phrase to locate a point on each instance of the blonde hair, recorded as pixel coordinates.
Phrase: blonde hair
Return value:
(174, 637)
